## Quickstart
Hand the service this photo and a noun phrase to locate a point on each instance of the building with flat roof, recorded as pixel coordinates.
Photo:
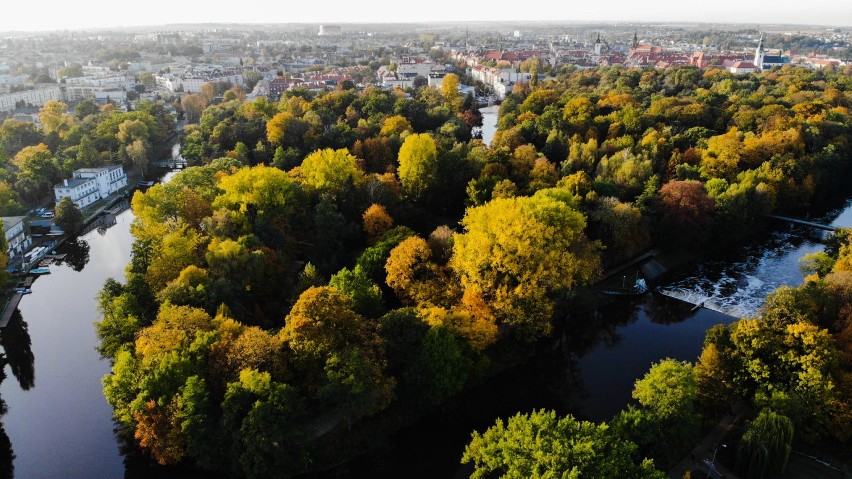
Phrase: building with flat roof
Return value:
(91, 184)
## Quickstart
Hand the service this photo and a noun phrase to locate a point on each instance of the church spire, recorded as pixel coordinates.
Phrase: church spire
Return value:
(758, 54)
(635, 39)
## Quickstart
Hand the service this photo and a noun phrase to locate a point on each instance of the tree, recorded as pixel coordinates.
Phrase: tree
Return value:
(339, 352)
(518, 254)
(192, 106)
(85, 108)
(365, 294)
(377, 222)
(38, 171)
(766, 445)
(540, 445)
(55, 117)
(329, 170)
(138, 154)
(4, 261)
(415, 278)
(418, 164)
(450, 91)
(687, 212)
(285, 129)
(395, 126)
(68, 217)
(668, 390)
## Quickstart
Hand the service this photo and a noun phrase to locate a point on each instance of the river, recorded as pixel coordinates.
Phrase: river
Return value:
(62, 425)
(489, 122)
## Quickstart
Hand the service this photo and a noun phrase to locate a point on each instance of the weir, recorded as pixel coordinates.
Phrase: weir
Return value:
(698, 300)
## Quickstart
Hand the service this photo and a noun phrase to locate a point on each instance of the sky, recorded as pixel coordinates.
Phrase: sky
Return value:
(21, 15)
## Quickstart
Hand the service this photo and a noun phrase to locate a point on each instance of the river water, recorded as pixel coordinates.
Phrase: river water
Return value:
(62, 425)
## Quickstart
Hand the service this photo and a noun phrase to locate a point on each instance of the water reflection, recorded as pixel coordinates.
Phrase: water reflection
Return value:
(107, 218)
(18, 355)
(7, 469)
(76, 253)
(17, 345)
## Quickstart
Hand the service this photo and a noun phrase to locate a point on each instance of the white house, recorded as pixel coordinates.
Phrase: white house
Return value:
(737, 67)
(16, 234)
(91, 184)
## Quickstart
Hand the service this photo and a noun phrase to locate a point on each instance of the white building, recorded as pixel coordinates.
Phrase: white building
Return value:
(39, 97)
(91, 184)
(16, 234)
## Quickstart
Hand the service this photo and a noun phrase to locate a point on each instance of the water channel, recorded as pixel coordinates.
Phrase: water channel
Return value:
(62, 425)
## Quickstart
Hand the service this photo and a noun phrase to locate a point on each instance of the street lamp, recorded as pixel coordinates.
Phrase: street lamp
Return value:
(712, 463)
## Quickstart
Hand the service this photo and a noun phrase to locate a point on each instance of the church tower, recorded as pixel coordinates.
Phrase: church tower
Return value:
(758, 54)
(635, 40)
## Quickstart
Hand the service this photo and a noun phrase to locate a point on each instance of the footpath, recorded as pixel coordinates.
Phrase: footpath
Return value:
(701, 458)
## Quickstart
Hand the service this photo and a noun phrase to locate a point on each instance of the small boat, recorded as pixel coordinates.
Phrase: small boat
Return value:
(23, 290)
(639, 288)
(40, 271)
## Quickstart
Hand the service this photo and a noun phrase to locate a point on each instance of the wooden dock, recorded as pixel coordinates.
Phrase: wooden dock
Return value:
(804, 222)
(10, 309)
(13, 303)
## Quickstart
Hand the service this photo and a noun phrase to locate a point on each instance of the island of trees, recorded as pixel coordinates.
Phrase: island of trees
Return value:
(332, 265)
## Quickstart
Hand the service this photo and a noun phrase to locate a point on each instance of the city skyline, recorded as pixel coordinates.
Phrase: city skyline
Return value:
(95, 14)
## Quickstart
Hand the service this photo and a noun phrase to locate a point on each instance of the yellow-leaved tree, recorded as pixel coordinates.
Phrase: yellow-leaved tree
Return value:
(418, 164)
(328, 170)
(518, 254)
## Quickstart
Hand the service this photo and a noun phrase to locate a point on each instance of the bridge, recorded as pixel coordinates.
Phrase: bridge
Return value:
(804, 222)
(174, 164)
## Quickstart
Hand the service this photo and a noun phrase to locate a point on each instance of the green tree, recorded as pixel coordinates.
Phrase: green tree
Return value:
(365, 294)
(668, 389)
(68, 217)
(766, 445)
(541, 445)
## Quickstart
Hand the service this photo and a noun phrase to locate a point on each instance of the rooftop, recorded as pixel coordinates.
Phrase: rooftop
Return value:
(10, 222)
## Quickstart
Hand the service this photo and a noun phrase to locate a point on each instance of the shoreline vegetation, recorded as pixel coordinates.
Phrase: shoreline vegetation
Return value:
(330, 261)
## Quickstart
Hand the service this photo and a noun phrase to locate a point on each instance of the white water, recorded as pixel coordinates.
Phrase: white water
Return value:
(738, 284)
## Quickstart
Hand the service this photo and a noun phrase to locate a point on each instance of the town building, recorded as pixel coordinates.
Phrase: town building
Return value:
(737, 67)
(36, 97)
(17, 236)
(91, 184)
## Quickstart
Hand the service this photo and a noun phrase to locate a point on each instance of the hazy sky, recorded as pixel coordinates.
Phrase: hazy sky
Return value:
(23, 15)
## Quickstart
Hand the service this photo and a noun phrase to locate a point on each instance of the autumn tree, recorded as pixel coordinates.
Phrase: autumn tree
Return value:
(418, 164)
(55, 117)
(450, 90)
(686, 212)
(376, 222)
(329, 170)
(285, 129)
(518, 254)
(339, 353)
